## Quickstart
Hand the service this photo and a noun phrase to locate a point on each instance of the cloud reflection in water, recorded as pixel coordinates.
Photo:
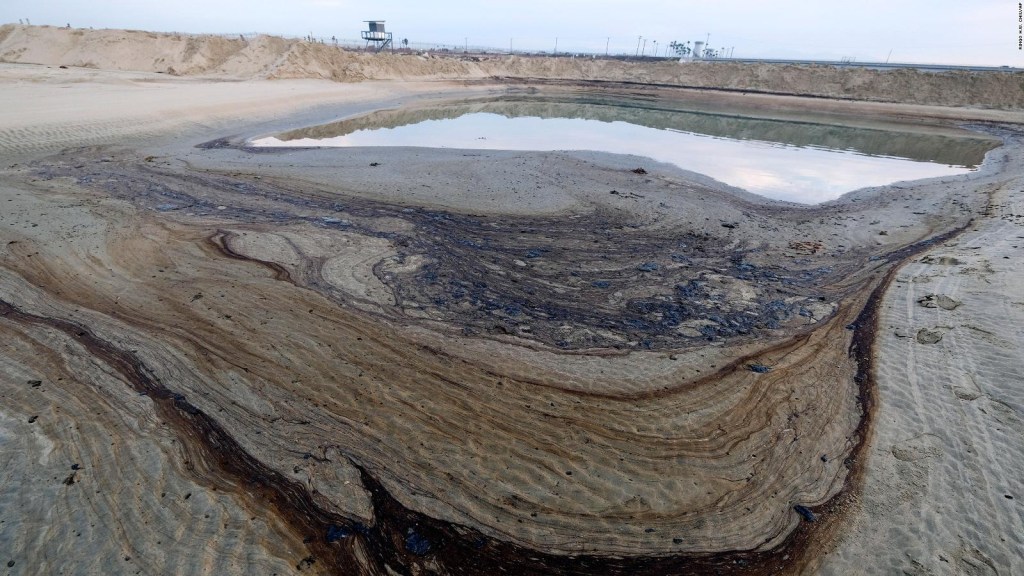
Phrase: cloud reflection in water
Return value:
(802, 174)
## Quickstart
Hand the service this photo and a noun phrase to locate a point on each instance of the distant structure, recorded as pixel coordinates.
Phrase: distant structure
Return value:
(377, 35)
(698, 49)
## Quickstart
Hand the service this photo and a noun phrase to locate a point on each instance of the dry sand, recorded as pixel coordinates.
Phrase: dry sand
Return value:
(943, 483)
(222, 361)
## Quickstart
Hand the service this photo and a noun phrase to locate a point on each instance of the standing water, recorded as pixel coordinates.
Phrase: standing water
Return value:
(797, 161)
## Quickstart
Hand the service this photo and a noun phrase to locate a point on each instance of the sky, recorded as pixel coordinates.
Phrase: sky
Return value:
(976, 32)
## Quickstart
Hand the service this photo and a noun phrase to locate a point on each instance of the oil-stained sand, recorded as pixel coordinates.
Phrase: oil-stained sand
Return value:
(438, 362)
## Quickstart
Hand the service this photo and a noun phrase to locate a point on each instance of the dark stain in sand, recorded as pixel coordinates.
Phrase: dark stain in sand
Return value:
(406, 541)
(527, 276)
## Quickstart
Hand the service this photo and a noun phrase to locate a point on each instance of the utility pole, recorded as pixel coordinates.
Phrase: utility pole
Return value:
(887, 57)
(606, 43)
(655, 51)
(509, 45)
(642, 52)
(556, 45)
(638, 39)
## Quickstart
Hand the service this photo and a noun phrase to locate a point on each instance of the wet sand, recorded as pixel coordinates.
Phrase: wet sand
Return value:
(229, 360)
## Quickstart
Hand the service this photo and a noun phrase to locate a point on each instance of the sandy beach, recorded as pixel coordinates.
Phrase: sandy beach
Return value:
(227, 360)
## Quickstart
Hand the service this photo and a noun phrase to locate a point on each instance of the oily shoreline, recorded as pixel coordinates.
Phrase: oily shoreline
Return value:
(207, 183)
(456, 548)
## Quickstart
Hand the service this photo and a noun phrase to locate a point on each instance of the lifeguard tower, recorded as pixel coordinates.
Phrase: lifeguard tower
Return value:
(376, 34)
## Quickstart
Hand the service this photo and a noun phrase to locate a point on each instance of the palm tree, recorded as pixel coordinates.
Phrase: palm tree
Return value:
(679, 48)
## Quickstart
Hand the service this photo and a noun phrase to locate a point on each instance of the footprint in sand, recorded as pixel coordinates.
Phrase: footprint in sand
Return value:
(917, 448)
(965, 388)
(938, 301)
(926, 336)
(973, 562)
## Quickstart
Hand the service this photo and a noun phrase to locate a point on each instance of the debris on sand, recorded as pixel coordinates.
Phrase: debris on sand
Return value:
(938, 301)
(805, 512)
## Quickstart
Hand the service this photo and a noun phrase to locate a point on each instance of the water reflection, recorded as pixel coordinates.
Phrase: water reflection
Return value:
(797, 161)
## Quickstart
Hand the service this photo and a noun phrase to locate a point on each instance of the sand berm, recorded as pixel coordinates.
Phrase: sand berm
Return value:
(271, 57)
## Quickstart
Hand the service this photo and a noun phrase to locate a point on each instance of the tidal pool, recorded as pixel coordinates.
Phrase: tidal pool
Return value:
(793, 160)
